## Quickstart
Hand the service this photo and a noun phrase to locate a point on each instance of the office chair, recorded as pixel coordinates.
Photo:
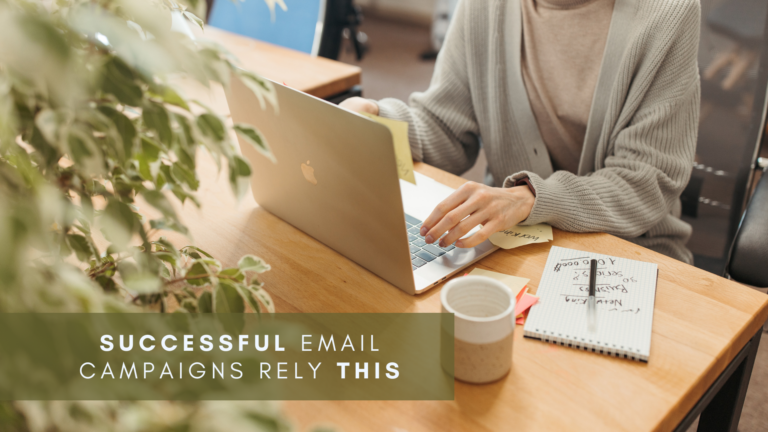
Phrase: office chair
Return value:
(748, 261)
(733, 56)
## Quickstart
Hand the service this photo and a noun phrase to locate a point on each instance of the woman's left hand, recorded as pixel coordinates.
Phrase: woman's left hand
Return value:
(475, 204)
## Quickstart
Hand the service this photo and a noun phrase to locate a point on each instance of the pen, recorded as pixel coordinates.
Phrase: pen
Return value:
(591, 312)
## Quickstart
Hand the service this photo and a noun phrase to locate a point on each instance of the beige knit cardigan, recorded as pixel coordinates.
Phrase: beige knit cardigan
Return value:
(641, 135)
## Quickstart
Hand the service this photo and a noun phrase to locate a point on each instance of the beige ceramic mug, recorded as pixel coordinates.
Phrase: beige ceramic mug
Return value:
(484, 325)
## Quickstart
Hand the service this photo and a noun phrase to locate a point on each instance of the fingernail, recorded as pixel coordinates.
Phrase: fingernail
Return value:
(429, 239)
(441, 243)
(423, 231)
(459, 244)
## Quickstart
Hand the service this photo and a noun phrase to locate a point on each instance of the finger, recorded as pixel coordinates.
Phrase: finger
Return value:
(454, 200)
(450, 220)
(463, 227)
(475, 239)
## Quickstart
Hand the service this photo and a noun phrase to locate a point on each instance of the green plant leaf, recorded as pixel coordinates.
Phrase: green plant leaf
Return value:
(252, 263)
(205, 302)
(184, 135)
(165, 224)
(164, 272)
(228, 298)
(183, 174)
(80, 245)
(230, 305)
(49, 153)
(190, 250)
(160, 202)
(119, 80)
(211, 126)
(255, 139)
(142, 282)
(263, 89)
(107, 283)
(124, 127)
(198, 274)
(167, 257)
(171, 96)
(119, 223)
(47, 122)
(233, 273)
(83, 151)
(259, 293)
(186, 158)
(189, 305)
(239, 172)
(42, 32)
(156, 118)
(162, 244)
(252, 302)
(150, 148)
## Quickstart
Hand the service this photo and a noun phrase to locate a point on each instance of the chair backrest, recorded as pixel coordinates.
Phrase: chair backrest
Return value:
(299, 27)
(749, 256)
(733, 57)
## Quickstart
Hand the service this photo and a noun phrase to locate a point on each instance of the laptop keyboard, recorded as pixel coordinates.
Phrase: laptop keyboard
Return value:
(421, 252)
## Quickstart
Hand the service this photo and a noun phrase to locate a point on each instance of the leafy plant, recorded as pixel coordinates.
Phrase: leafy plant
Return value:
(92, 131)
(94, 137)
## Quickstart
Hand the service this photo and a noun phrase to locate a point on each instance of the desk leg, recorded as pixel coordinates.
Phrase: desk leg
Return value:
(724, 410)
(720, 406)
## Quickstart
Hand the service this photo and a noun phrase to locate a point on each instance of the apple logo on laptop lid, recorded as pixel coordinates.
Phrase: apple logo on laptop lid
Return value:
(309, 173)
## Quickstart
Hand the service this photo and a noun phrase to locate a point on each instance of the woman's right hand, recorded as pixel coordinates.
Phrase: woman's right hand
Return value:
(360, 105)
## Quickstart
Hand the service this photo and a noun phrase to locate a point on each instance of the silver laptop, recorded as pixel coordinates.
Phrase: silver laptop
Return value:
(336, 179)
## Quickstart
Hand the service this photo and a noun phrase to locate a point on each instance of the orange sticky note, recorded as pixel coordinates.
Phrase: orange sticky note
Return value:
(520, 294)
(526, 302)
(521, 319)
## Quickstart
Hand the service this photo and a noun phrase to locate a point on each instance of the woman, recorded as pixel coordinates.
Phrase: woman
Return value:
(587, 111)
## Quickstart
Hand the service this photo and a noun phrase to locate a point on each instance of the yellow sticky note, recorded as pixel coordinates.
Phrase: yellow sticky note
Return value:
(399, 131)
(522, 235)
(514, 283)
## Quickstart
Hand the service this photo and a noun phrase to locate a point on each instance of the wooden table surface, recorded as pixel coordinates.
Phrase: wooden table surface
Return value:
(317, 76)
(701, 322)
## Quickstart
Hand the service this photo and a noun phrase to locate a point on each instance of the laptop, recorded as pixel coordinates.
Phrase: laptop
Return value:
(336, 179)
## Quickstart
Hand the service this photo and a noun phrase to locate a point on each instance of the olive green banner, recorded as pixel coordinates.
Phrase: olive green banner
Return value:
(226, 357)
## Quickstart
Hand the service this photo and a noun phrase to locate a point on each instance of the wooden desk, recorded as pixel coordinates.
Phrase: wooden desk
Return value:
(701, 324)
(317, 76)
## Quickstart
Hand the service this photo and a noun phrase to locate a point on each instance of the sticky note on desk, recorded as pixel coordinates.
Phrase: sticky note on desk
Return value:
(399, 131)
(524, 304)
(522, 235)
(515, 283)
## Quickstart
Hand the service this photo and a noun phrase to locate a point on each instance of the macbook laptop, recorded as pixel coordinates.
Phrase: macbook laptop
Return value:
(336, 180)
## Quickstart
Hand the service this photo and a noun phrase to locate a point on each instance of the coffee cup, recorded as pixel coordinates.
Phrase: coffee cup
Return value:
(484, 325)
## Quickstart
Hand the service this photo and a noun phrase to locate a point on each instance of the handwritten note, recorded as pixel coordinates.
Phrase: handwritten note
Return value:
(399, 131)
(626, 292)
(522, 235)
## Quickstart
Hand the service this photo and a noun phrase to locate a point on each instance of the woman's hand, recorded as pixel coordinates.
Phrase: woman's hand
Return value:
(476, 204)
(360, 105)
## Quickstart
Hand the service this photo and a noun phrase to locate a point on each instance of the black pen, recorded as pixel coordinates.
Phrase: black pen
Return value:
(591, 312)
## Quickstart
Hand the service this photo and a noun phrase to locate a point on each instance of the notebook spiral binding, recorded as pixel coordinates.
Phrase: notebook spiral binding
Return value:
(585, 346)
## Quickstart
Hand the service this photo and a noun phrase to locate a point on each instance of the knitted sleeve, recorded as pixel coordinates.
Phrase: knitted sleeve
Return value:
(649, 160)
(442, 127)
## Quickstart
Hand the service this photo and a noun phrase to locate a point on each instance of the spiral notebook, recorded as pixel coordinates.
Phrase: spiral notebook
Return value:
(625, 295)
